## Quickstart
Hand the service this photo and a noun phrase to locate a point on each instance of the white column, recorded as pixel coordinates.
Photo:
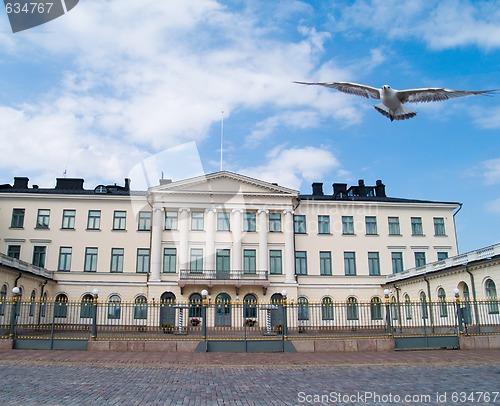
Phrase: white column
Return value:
(183, 240)
(263, 254)
(237, 225)
(156, 231)
(210, 245)
(289, 248)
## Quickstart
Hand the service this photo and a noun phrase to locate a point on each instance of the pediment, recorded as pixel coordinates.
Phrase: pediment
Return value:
(224, 183)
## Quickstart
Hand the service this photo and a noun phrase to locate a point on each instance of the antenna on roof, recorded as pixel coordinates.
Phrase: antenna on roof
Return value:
(221, 138)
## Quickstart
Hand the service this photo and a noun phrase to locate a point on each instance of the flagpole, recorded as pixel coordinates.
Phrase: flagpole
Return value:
(221, 138)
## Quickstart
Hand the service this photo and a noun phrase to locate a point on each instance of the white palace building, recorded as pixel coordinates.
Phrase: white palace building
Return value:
(233, 236)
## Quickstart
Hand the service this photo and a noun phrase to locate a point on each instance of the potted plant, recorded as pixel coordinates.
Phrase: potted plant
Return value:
(194, 321)
(250, 322)
(167, 328)
(279, 328)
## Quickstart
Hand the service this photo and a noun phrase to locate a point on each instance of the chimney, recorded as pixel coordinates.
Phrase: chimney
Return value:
(361, 188)
(165, 181)
(317, 188)
(127, 184)
(69, 184)
(21, 183)
(339, 187)
(380, 189)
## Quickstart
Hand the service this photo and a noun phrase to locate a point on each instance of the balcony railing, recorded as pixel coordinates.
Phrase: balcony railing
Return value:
(214, 275)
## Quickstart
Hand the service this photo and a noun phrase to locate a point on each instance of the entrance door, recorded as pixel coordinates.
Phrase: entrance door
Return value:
(223, 310)
(277, 314)
(167, 309)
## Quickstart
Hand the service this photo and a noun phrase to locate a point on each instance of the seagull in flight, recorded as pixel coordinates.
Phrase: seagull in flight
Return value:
(393, 100)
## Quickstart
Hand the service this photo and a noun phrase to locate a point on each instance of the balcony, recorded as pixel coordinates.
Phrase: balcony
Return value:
(210, 277)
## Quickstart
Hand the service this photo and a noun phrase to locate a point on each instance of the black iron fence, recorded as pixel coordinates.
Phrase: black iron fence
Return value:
(168, 320)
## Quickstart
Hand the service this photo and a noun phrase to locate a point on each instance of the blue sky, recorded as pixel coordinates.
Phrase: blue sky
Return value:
(113, 83)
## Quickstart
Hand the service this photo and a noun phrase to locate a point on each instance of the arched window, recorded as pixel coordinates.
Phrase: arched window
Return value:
(303, 308)
(86, 306)
(61, 306)
(140, 308)
(114, 309)
(423, 304)
(327, 311)
(43, 307)
(352, 308)
(491, 295)
(195, 303)
(32, 303)
(408, 307)
(250, 306)
(3, 297)
(376, 308)
(443, 307)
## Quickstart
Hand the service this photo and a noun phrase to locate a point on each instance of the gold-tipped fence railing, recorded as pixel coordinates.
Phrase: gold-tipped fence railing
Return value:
(169, 320)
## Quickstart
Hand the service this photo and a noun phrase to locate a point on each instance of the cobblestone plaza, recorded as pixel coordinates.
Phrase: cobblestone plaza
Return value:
(415, 377)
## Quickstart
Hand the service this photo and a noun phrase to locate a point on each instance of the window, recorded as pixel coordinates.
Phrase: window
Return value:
(275, 262)
(42, 220)
(3, 297)
(17, 218)
(61, 306)
(196, 260)
(376, 308)
(14, 251)
(114, 309)
(300, 224)
(373, 264)
(443, 308)
(408, 306)
(142, 265)
(250, 221)
(171, 218)
(144, 221)
(197, 221)
(416, 226)
(325, 263)
(86, 306)
(419, 259)
(371, 225)
(39, 256)
(249, 261)
(140, 308)
(323, 224)
(32, 303)
(274, 222)
(222, 258)
(195, 303)
(94, 220)
(169, 260)
(300, 263)
(423, 305)
(352, 308)
(350, 263)
(64, 264)
(117, 259)
(397, 262)
(491, 295)
(68, 219)
(90, 260)
(327, 310)
(439, 226)
(119, 220)
(303, 308)
(442, 256)
(394, 226)
(223, 221)
(347, 225)
(250, 306)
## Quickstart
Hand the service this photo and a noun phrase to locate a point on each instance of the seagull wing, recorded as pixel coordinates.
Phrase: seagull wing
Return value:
(435, 94)
(350, 88)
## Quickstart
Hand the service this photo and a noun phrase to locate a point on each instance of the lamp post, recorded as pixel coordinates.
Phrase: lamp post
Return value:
(387, 292)
(284, 293)
(95, 294)
(13, 312)
(456, 291)
(204, 304)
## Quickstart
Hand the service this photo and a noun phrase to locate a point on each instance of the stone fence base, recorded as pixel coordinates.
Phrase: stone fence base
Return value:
(490, 342)
(158, 346)
(350, 344)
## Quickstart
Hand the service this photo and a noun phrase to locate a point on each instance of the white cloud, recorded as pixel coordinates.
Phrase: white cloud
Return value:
(488, 118)
(291, 167)
(493, 206)
(491, 172)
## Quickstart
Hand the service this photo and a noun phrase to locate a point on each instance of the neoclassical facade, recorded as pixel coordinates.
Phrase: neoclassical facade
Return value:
(233, 235)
